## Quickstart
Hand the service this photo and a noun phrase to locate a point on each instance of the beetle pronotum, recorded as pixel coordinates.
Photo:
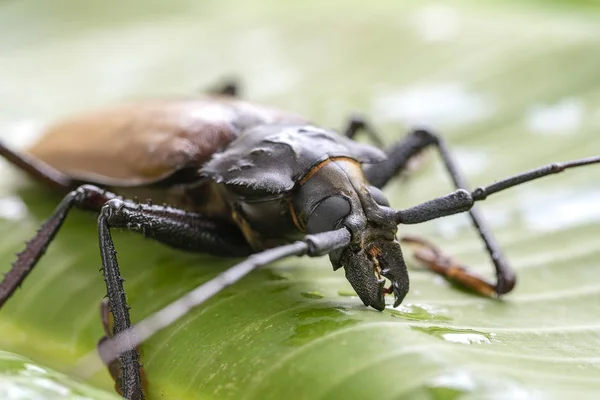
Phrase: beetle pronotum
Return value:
(245, 180)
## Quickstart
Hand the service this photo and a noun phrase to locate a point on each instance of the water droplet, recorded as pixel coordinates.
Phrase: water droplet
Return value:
(466, 338)
(462, 336)
(419, 312)
(329, 312)
(451, 385)
(317, 322)
(312, 295)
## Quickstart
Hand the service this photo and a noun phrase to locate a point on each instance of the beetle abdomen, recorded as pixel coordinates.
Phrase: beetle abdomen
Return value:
(145, 142)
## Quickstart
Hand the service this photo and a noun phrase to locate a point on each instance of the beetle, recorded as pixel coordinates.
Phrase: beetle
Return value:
(242, 179)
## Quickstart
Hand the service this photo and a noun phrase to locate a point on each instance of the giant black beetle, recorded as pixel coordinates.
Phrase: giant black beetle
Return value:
(243, 180)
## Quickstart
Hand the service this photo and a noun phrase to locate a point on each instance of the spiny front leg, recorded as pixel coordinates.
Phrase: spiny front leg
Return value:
(115, 369)
(131, 388)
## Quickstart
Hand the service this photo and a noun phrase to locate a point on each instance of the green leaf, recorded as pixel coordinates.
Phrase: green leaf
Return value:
(511, 88)
(20, 378)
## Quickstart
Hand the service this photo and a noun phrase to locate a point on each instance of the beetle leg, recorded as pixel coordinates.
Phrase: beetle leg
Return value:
(178, 228)
(37, 169)
(115, 369)
(171, 226)
(357, 123)
(168, 225)
(129, 360)
(86, 197)
(229, 87)
(398, 156)
(400, 153)
(446, 266)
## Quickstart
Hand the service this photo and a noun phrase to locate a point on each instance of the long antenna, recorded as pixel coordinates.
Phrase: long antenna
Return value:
(313, 245)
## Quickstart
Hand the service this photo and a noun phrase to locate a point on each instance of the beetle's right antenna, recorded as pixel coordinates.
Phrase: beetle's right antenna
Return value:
(461, 201)
(312, 245)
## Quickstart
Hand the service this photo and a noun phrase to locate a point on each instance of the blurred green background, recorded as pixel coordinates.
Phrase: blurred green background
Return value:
(511, 85)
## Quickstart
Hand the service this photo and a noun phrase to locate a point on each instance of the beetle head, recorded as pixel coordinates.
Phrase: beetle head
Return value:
(337, 195)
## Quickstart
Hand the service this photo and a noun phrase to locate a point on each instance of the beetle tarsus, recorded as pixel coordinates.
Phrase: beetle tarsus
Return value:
(357, 123)
(229, 87)
(114, 367)
(449, 268)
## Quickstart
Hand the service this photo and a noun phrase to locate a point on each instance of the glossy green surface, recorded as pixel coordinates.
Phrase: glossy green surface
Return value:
(21, 378)
(510, 88)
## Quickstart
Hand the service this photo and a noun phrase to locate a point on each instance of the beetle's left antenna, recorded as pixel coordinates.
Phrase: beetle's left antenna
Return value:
(312, 245)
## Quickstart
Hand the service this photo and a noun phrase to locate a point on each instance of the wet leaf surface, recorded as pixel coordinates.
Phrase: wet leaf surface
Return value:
(510, 87)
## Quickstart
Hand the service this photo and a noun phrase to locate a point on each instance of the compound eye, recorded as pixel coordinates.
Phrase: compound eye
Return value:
(379, 196)
(327, 214)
